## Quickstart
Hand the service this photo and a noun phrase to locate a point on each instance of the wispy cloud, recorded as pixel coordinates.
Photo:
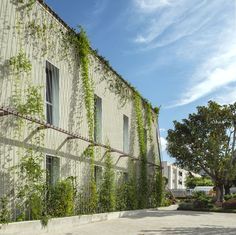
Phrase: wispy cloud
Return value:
(147, 6)
(179, 19)
(228, 96)
(202, 30)
(215, 74)
(163, 144)
(99, 6)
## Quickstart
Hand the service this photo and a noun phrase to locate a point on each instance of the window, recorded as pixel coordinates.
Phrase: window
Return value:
(98, 175)
(125, 134)
(53, 169)
(52, 94)
(180, 173)
(180, 182)
(97, 119)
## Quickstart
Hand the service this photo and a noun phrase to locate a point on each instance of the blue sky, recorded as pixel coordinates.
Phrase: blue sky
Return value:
(178, 53)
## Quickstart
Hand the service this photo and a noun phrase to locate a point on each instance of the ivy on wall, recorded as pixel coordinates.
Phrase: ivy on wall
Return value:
(142, 151)
(28, 101)
(31, 194)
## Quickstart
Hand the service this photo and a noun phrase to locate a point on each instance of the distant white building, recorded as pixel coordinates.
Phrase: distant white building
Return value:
(175, 175)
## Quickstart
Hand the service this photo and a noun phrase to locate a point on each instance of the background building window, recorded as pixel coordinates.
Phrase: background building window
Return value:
(97, 119)
(53, 169)
(52, 94)
(125, 134)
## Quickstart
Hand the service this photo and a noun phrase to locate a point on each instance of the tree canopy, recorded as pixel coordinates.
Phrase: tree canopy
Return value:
(206, 141)
(192, 182)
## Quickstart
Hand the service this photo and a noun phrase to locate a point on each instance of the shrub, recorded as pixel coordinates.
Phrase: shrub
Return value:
(61, 199)
(132, 202)
(4, 212)
(121, 196)
(202, 200)
(35, 206)
(185, 206)
(199, 194)
(166, 202)
(107, 191)
(227, 197)
(230, 204)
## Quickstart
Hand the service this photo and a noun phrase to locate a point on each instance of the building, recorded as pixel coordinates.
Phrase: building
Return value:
(63, 107)
(176, 176)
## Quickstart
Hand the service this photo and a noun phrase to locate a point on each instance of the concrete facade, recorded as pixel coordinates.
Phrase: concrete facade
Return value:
(42, 43)
(175, 175)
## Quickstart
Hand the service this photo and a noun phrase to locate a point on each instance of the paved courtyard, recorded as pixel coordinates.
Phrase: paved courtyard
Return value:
(163, 221)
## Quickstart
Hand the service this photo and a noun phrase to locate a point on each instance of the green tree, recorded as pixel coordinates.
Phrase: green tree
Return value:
(192, 182)
(61, 201)
(206, 141)
(107, 192)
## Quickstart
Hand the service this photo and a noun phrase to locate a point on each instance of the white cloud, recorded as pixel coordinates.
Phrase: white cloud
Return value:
(226, 97)
(163, 144)
(151, 5)
(162, 130)
(215, 74)
(179, 19)
(209, 28)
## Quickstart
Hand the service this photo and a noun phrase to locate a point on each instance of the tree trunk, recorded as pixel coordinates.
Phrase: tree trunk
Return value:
(219, 193)
(227, 189)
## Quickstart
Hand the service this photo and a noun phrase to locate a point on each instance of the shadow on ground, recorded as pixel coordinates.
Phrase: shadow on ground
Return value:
(163, 213)
(192, 230)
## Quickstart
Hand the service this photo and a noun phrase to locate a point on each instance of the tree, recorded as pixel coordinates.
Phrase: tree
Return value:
(192, 182)
(206, 141)
(107, 192)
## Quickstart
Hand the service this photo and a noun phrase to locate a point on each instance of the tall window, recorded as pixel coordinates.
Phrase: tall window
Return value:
(98, 175)
(97, 119)
(52, 94)
(125, 134)
(53, 169)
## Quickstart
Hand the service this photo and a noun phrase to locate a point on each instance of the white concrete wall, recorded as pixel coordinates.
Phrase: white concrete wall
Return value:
(71, 103)
(62, 224)
(172, 172)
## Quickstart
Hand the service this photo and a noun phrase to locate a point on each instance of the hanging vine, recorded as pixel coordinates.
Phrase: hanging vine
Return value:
(27, 100)
(83, 47)
(142, 151)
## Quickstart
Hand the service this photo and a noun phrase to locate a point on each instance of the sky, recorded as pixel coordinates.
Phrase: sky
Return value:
(178, 53)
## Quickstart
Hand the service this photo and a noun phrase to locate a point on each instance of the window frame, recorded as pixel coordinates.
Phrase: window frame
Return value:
(125, 134)
(98, 118)
(50, 180)
(52, 101)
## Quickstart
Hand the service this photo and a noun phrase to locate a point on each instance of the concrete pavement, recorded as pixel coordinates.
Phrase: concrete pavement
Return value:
(162, 221)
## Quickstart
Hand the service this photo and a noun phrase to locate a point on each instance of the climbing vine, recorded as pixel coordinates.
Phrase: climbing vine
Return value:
(142, 151)
(27, 99)
(83, 47)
